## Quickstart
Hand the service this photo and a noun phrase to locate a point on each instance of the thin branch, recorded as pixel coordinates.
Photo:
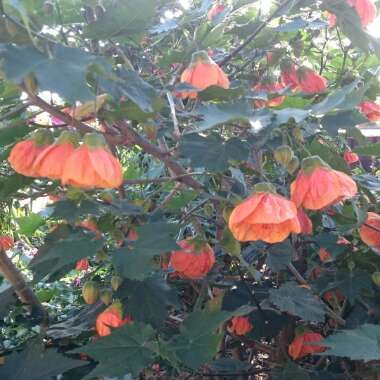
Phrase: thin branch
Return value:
(134, 138)
(254, 34)
(143, 181)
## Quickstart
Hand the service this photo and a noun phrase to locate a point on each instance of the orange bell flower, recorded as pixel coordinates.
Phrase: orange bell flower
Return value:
(370, 231)
(305, 222)
(111, 318)
(269, 88)
(82, 265)
(6, 242)
(350, 157)
(331, 19)
(51, 160)
(92, 165)
(324, 255)
(301, 347)
(215, 10)
(318, 186)
(264, 216)
(203, 72)
(366, 10)
(289, 75)
(24, 153)
(311, 82)
(239, 325)
(370, 110)
(191, 261)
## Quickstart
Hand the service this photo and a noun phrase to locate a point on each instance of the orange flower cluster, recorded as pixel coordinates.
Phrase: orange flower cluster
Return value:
(88, 166)
(111, 318)
(370, 231)
(302, 78)
(203, 72)
(301, 346)
(239, 325)
(269, 87)
(370, 110)
(318, 186)
(6, 242)
(264, 216)
(192, 261)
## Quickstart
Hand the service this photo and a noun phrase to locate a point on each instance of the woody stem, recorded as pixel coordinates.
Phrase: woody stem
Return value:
(23, 291)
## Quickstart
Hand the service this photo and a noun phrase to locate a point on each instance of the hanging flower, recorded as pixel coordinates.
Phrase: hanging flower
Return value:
(311, 82)
(215, 10)
(268, 88)
(24, 153)
(324, 255)
(203, 72)
(264, 216)
(370, 231)
(370, 110)
(305, 222)
(366, 10)
(239, 325)
(90, 225)
(193, 261)
(318, 186)
(289, 75)
(331, 19)
(82, 265)
(111, 318)
(6, 242)
(301, 347)
(92, 165)
(350, 157)
(51, 160)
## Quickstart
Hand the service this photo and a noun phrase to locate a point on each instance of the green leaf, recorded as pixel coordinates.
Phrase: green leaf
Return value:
(129, 84)
(328, 155)
(130, 17)
(299, 23)
(220, 93)
(329, 242)
(371, 149)
(197, 342)
(343, 99)
(71, 210)
(214, 115)
(8, 298)
(212, 152)
(363, 343)
(342, 120)
(279, 256)
(298, 301)
(62, 249)
(148, 300)
(10, 134)
(63, 72)
(230, 244)
(134, 261)
(291, 372)
(129, 349)
(29, 224)
(11, 184)
(36, 363)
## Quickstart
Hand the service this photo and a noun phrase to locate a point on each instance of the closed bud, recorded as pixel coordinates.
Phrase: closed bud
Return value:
(376, 278)
(298, 135)
(283, 155)
(227, 213)
(30, 84)
(208, 209)
(101, 255)
(293, 165)
(106, 297)
(90, 292)
(351, 265)
(116, 281)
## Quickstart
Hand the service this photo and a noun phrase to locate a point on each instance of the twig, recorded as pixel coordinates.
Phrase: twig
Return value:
(241, 373)
(15, 111)
(23, 291)
(255, 32)
(143, 181)
(176, 132)
(134, 138)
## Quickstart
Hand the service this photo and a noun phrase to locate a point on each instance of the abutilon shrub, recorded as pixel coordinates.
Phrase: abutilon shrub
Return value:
(189, 190)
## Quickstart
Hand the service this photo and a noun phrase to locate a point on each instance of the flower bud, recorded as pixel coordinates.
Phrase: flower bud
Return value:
(283, 155)
(116, 281)
(376, 278)
(90, 292)
(293, 165)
